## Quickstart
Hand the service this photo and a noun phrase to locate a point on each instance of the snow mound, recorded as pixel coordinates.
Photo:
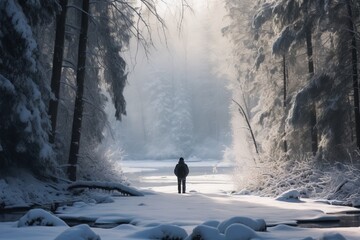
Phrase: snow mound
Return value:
(163, 231)
(79, 232)
(332, 236)
(203, 232)
(238, 231)
(254, 224)
(290, 195)
(211, 223)
(40, 217)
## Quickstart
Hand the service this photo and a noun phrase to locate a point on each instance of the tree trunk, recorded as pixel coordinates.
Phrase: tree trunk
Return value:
(80, 78)
(313, 127)
(57, 66)
(285, 77)
(354, 59)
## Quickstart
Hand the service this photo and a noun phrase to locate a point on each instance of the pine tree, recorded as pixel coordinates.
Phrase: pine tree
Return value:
(24, 123)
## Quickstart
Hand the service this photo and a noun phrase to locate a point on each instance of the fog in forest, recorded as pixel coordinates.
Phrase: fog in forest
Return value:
(177, 93)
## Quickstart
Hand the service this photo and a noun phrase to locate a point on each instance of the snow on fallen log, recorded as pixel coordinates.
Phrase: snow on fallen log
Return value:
(126, 190)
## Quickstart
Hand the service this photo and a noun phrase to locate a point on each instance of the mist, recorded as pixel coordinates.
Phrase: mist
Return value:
(177, 94)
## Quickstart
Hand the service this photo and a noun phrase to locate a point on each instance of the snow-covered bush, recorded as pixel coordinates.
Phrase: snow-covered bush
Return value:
(39, 217)
(79, 232)
(331, 181)
(254, 224)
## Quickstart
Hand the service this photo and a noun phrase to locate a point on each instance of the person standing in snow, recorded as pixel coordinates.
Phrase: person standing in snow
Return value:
(181, 171)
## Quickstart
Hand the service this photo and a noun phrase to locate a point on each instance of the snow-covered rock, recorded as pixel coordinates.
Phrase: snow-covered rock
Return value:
(355, 201)
(79, 232)
(238, 231)
(203, 232)
(211, 223)
(332, 236)
(39, 217)
(254, 224)
(243, 192)
(290, 195)
(164, 231)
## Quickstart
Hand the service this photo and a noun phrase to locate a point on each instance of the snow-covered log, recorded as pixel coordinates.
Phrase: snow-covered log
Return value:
(111, 186)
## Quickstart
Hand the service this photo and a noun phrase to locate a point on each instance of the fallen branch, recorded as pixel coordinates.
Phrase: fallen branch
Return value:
(126, 190)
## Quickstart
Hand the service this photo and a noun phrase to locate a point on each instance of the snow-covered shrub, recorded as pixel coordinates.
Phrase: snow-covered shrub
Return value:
(39, 217)
(290, 195)
(238, 231)
(255, 224)
(79, 232)
(162, 232)
(326, 180)
(203, 232)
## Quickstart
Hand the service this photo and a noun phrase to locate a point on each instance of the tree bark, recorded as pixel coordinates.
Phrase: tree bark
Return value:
(354, 61)
(313, 121)
(80, 79)
(285, 77)
(57, 67)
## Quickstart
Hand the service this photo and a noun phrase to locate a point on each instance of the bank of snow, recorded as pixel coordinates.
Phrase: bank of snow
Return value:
(206, 212)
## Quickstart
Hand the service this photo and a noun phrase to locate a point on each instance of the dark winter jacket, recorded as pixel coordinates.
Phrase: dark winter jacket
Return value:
(181, 169)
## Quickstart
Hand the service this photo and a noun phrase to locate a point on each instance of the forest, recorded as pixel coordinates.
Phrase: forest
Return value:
(290, 97)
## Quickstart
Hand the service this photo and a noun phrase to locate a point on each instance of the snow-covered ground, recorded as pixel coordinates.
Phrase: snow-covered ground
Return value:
(207, 210)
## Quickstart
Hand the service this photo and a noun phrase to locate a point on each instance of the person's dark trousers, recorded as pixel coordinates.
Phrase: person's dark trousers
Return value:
(182, 181)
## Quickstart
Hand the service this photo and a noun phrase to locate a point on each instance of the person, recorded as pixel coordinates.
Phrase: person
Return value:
(181, 171)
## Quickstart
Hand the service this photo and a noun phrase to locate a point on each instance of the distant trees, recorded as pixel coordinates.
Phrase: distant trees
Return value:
(169, 124)
(319, 94)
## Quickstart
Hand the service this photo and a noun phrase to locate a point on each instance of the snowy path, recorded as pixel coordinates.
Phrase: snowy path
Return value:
(208, 199)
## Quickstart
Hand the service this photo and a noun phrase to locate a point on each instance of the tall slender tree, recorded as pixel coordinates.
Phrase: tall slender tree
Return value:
(310, 58)
(355, 76)
(57, 66)
(79, 104)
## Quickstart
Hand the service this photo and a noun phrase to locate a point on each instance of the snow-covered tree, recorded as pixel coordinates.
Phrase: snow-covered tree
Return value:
(182, 120)
(160, 93)
(24, 124)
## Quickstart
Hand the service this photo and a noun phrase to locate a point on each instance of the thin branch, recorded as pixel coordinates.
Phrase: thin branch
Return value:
(242, 112)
